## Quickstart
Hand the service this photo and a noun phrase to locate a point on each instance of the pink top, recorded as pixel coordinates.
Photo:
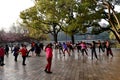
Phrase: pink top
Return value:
(48, 52)
(83, 46)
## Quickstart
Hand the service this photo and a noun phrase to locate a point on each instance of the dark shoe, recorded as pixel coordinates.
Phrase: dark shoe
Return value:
(49, 72)
(45, 70)
(2, 64)
(15, 60)
(24, 64)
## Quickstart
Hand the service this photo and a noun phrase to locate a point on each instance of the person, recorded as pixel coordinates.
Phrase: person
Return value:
(65, 49)
(31, 49)
(23, 52)
(108, 49)
(70, 46)
(84, 48)
(41, 45)
(16, 52)
(37, 49)
(93, 50)
(2, 53)
(78, 46)
(6, 50)
(49, 55)
(60, 48)
(104, 45)
(100, 47)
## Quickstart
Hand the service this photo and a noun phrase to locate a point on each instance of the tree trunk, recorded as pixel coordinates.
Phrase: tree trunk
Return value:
(55, 37)
(114, 28)
(116, 35)
(72, 38)
(55, 34)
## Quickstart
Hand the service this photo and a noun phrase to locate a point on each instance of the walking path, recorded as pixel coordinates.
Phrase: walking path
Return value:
(74, 67)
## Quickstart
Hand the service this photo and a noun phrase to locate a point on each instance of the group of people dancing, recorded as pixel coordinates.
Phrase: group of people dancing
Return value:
(5, 51)
(63, 48)
(19, 49)
(82, 47)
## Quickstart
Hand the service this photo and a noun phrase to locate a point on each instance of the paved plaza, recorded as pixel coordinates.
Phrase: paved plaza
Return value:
(74, 67)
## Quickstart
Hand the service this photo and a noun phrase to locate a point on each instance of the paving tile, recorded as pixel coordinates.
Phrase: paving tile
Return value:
(74, 67)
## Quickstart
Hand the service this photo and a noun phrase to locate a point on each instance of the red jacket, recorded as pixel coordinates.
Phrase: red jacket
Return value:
(2, 52)
(48, 52)
(23, 51)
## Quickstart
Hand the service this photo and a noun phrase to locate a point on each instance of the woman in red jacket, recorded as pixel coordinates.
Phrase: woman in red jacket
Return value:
(2, 53)
(48, 50)
(23, 51)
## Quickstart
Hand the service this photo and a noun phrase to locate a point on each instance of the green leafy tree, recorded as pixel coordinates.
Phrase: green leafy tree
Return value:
(111, 16)
(96, 10)
(44, 16)
(32, 23)
(69, 25)
(71, 16)
(80, 16)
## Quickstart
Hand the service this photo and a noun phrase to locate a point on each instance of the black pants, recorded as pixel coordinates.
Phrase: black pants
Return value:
(24, 59)
(84, 51)
(78, 48)
(2, 60)
(100, 48)
(109, 51)
(7, 53)
(16, 56)
(94, 53)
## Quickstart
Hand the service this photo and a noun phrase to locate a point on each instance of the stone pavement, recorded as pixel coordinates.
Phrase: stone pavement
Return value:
(74, 67)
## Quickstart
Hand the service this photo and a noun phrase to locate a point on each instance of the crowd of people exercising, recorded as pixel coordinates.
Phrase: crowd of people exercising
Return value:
(62, 47)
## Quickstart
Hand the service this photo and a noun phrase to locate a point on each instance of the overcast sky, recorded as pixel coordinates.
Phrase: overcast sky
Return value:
(10, 10)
